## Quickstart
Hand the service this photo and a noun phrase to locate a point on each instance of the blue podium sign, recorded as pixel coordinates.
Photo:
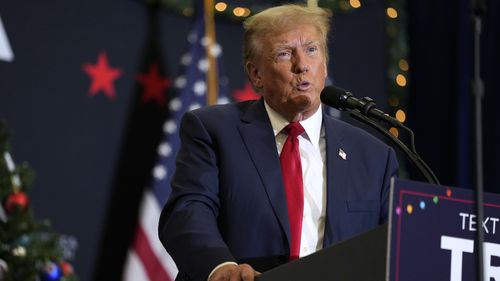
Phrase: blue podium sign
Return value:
(432, 233)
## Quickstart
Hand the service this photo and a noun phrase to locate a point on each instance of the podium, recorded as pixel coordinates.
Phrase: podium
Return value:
(429, 236)
(366, 251)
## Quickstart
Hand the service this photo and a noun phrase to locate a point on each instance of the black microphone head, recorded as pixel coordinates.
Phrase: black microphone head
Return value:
(335, 97)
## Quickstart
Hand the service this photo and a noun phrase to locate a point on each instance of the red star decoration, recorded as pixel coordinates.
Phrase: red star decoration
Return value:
(247, 93)
(103, 76)
(153, 85)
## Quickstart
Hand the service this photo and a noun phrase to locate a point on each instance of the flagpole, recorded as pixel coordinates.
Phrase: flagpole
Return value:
(312, 3)
(210, 36)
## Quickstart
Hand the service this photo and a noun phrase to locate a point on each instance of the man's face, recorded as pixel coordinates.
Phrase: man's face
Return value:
(291, 71)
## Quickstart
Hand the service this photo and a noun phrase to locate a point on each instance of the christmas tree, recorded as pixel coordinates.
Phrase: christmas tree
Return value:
(30, 250)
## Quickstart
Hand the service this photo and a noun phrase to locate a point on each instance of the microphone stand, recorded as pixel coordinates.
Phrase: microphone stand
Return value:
(478, 9)
(411, 154)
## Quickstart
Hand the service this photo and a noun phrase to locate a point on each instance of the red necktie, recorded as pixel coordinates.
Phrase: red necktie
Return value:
(291, 169)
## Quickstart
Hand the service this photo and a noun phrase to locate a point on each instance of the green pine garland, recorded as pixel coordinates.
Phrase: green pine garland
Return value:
(186, 7)
(398, 64)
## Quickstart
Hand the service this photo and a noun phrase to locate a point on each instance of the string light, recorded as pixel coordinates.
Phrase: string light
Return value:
(403, 65)
(401, 80)
(392, 13)
(355, 3)
(394, 131)
(394, 101)
(231, 12)
(238, 11)
(188, 12)
(220, 6)
(401, 115)
(246, 12)
(397, 72)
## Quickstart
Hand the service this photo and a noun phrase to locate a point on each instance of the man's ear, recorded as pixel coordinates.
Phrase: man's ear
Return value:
(253, 74)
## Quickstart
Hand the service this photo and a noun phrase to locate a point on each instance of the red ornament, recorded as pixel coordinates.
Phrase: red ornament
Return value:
(14, 201)
(66, 268)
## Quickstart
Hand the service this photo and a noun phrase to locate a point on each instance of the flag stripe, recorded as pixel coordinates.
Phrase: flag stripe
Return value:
(152, 265)
(134, 270)
(149, 218)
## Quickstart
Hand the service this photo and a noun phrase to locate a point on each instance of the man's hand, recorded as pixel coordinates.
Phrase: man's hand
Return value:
(232, 272)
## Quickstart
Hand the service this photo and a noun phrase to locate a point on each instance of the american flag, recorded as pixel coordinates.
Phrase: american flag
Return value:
(147, 259)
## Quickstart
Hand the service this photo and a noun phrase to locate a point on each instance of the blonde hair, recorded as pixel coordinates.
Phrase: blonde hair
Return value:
(278, 19)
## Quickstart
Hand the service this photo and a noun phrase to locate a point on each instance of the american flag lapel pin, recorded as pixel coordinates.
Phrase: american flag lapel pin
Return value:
(342, 154)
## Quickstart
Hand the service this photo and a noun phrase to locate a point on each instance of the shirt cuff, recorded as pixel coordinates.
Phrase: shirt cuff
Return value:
(219, 266)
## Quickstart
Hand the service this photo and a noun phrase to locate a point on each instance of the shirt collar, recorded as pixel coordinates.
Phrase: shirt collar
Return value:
(312, 125)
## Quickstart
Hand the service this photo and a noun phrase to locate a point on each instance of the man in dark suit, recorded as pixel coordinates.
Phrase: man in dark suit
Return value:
(234, 208)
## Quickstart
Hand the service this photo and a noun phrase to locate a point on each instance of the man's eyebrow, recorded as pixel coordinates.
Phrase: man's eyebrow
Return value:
(311, 42)
(289, 45)
(283, 45)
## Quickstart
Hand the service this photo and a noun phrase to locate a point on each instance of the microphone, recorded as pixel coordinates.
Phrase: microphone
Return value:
(344, 100)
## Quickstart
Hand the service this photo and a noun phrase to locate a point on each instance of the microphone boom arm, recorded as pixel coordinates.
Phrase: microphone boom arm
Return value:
(412, 155)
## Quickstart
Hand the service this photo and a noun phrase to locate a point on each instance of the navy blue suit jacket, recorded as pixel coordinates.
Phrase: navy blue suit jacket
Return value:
(228, 201)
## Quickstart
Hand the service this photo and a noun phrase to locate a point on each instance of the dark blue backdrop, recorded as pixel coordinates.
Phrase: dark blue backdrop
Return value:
(441, 102)
(76, 143)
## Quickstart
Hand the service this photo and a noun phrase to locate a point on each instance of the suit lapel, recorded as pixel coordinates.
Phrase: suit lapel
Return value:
(259, 139)
(337, 179)
(257, 134)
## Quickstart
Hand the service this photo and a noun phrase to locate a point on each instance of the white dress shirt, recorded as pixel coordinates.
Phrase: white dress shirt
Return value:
(312, 149)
